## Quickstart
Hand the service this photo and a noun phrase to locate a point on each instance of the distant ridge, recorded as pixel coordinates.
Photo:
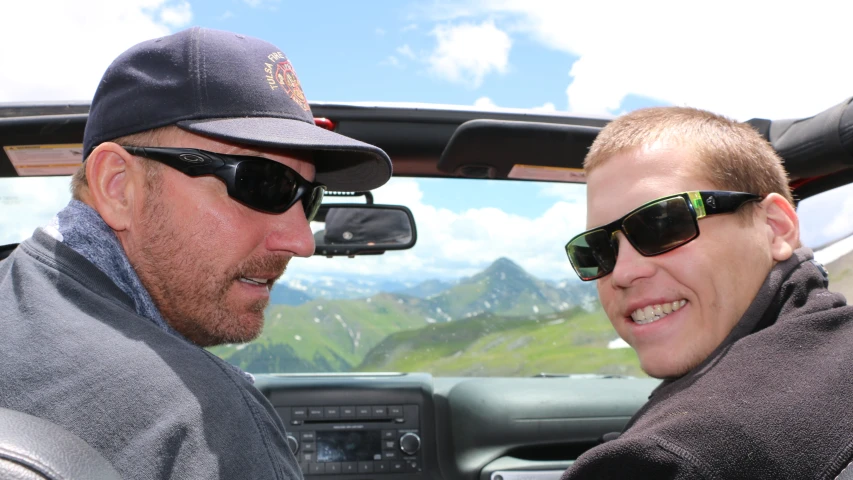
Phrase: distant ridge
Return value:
(305, 331)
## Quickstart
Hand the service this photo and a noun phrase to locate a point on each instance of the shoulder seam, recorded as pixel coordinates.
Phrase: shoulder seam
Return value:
(698, 465)
(68, 271)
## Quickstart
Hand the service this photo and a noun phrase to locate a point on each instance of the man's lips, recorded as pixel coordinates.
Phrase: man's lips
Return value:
(259, 280)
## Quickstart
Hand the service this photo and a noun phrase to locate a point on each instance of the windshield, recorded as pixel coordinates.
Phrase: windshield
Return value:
(486, 291)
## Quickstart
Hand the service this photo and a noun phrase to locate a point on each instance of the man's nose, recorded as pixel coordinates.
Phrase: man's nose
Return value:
(630, 264)
(290, 232)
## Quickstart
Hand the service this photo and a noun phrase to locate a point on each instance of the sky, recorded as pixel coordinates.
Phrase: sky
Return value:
(770, 59)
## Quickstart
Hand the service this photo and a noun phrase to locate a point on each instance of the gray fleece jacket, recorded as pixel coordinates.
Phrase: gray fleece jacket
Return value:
(74, 351)
(773, 401)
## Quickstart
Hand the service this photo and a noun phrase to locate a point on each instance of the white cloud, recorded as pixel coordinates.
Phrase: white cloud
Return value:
(546, 107)
(743, 59)
(271, 4)
(409, 27)
(452, 244)
(392, 61)
(379, 31)
(82, 38)
(225, 16)
(467, 52)
(485, 103)
(564, 191)
(29, 202)
(826, 217)
(177, 15)
(406, 51)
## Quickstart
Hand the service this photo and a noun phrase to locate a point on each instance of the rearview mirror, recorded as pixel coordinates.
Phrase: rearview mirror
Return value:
(362, 229)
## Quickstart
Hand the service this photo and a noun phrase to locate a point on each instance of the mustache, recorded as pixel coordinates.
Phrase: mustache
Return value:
(263, 266)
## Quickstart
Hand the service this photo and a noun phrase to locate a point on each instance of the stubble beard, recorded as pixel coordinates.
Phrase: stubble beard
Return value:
(189, 288)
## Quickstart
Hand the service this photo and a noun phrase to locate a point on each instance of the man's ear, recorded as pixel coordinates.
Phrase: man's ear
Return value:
(784, 226)
(110, 173)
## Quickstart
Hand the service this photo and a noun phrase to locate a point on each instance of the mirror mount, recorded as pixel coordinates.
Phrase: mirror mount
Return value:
(367, 195)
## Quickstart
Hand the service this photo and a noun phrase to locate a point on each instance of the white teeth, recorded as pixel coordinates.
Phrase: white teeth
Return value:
(253, 281)
(653, 313)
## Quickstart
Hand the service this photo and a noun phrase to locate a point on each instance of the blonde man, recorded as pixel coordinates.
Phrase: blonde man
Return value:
(693, 242)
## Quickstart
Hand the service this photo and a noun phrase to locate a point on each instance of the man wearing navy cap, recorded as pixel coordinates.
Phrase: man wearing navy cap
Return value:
(202, 169)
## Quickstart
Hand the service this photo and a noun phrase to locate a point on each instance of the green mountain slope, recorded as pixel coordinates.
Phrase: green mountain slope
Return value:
(323, 335)
(503, 288)
(574, 341)
(489, 323)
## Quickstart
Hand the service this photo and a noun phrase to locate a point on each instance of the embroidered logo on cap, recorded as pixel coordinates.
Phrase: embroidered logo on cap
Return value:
(282, 74)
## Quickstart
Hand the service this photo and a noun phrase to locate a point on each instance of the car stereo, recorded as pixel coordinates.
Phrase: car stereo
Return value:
(343, 428)
(355, 439)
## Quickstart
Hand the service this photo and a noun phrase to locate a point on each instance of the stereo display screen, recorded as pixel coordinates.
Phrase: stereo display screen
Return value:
(349, 446)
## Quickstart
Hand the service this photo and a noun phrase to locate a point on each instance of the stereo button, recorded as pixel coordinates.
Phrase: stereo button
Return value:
(349, 467)
(365, 467)
(308, 447)
(299, 413)
(332, 412)
(347, 412)
(307, 436)
(395, 411)
(381, 467)
(380, 412)
(389, 434)
(315, 412)
(398, 466)
(362, 412)
(333, 467)
(317, 468)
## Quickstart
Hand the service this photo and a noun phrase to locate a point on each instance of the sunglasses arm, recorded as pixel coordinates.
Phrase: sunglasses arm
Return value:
(714, 202)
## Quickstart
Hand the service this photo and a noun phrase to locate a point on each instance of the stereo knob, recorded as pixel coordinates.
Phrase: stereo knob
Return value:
(293, 443)
(410, 443)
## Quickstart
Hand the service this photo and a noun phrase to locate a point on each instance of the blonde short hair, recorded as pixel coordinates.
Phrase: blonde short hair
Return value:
(732, 155)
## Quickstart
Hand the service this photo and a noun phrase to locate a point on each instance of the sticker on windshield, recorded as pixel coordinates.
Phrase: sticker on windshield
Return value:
(550, 174)
(43, 160)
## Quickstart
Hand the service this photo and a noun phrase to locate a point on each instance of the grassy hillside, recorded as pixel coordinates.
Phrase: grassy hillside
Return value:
(505, 288)
(569, 342)
(501, 321)
(323, 335)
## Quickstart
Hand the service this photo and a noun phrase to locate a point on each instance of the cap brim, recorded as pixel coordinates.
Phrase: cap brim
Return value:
(343, 164)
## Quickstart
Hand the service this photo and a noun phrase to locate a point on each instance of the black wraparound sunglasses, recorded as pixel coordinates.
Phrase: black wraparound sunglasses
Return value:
(257, 182)
(652, 229)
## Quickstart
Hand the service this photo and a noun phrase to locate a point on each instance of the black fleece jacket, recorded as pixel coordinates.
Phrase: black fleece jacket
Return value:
(773, 401)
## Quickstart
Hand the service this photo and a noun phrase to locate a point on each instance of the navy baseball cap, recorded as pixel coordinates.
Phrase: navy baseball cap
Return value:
(230, 87)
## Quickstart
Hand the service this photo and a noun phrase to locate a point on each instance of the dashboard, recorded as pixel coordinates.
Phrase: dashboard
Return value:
(414, 426)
